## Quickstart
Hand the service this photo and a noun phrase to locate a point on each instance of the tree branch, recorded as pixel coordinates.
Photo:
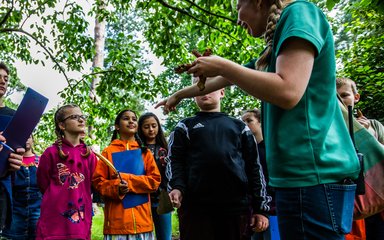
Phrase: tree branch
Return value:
(4, 30)
(210, 13)
(31, 12)
(6, 15)
(148, 3)
(25, 20)
(65, 6)
(92, 74)
(193, 17)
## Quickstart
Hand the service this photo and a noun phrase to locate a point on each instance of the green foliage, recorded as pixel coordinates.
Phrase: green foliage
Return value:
(65, 40)
(172, 29)
(177, 27)
(377, 5)
(236, 101)
(44, 135)
(363, 56)
(126, 81)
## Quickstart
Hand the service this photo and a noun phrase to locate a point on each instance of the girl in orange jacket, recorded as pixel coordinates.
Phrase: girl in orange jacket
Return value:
(122, 221)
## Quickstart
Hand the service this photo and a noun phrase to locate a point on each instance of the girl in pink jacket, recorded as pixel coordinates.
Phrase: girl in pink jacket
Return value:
(64, 177)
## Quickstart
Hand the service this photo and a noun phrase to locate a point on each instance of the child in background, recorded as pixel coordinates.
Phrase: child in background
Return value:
(126, 223)
(253, 120)
(347, 90)
(151, 132)
(26, 197)
(370, 228)
(215, 175)
(64, 177)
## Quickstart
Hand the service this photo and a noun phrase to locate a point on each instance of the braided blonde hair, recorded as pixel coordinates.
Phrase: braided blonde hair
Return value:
(275, 10)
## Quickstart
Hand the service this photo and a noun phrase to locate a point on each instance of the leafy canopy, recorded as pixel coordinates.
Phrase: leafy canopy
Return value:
(172, 29)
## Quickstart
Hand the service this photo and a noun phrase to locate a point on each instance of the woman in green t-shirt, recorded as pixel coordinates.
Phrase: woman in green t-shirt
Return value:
(311, 159)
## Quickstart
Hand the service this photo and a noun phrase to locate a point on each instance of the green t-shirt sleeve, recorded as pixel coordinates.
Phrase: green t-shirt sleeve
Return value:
(303, 20)
(251, 64)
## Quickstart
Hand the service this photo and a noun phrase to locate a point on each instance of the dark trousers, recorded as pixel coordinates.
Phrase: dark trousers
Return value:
(3, 207)
(195, 225)
(374, 227)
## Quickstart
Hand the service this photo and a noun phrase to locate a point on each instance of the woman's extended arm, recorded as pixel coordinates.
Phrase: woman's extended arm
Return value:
(284, 88)
(212, 84)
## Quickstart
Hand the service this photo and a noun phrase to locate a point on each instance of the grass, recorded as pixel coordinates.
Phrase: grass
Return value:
(98, 222)
(175, 226)
(97, 225)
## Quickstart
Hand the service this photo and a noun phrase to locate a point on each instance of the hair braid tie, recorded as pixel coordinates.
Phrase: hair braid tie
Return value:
(61, 152)
(87, 152)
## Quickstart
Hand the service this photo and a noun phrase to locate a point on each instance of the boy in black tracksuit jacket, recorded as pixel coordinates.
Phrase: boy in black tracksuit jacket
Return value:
(215, 176)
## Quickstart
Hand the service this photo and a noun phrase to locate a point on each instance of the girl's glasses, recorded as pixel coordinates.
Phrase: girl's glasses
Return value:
(76, 117)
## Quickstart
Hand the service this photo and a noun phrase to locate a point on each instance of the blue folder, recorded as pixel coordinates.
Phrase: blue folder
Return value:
(132, 162)
(21, 126)
(4, 121)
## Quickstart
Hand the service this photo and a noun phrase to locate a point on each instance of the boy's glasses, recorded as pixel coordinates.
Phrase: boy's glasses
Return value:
(76, 117)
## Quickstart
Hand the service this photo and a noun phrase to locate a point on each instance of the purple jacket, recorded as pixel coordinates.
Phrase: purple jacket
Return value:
(66, 208)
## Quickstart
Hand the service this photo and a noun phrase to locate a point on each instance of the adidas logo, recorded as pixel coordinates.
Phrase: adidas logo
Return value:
(199, 125)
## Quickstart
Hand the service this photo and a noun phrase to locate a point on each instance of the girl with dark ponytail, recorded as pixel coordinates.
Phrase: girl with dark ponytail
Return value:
(153, 136)
(64, 177)
(133, 222)
(308, 151)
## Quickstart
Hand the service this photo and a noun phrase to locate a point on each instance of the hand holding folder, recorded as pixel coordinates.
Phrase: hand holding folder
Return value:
(123, 188)
(21, 125)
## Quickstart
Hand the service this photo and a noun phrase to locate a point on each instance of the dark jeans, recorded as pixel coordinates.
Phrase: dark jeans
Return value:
(3, 206)
(207, 226)
(317, 212)
(26, 212)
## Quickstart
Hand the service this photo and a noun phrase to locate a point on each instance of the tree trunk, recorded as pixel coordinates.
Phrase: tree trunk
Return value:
(98, 62)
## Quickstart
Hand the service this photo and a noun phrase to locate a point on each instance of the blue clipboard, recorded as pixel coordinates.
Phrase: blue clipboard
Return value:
(21, 126)
(132, 162)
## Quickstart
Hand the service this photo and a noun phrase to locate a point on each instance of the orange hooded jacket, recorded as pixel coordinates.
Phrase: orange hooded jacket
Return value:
(118, 220)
